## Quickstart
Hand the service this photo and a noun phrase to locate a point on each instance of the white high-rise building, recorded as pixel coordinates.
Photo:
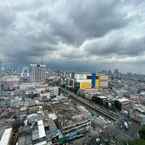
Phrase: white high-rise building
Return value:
(38, 72)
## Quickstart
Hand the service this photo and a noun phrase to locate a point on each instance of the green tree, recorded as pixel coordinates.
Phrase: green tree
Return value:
(137, 142)
(142, 132)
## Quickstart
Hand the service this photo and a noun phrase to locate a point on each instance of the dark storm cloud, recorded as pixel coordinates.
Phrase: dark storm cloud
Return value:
(6, 19)
(116, 44)
(96, 18)
(69, 22)
(63, 30)
(77, 21)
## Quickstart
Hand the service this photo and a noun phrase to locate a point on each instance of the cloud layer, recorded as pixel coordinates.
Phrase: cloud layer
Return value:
(82, 34)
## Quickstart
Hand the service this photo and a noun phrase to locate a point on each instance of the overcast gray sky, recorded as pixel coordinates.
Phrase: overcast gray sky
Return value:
(74, 34)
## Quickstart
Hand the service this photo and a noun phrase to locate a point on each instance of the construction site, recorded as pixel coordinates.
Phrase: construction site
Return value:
(58, 121)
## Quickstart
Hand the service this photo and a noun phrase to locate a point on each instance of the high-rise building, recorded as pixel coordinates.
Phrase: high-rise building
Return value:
(38, 72)
(25, 74)
(116, 74)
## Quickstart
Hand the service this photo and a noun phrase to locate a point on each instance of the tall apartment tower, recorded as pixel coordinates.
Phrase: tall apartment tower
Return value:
(38, 72)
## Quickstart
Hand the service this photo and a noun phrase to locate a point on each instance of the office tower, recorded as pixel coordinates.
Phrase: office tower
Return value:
(38, 72)
(25, 74)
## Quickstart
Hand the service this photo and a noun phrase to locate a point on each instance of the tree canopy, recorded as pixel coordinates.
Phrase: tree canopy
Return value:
(137, 142)
(142, 132)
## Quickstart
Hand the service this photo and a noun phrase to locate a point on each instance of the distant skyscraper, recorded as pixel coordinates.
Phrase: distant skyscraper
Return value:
(38, 72)
(116, 74)
(25, 74)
